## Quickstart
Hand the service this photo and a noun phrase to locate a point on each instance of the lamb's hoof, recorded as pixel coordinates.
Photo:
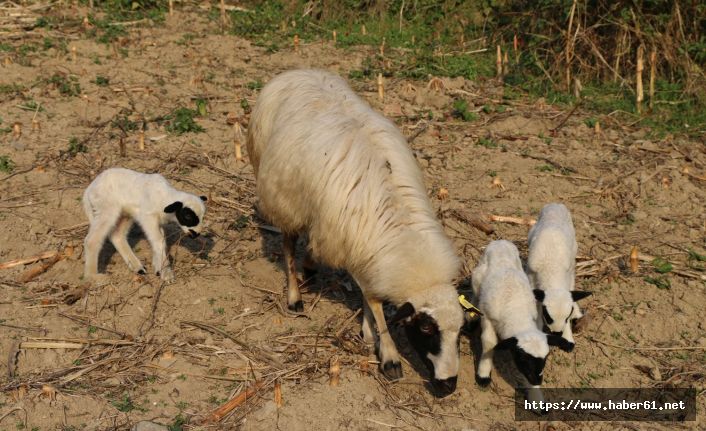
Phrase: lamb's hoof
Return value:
(141, 271)
(566, 346)
(392, 370)
(483, 382)
(297, 307)
(167, 275)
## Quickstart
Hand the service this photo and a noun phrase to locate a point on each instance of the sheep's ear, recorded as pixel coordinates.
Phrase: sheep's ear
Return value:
(203, 198)
(506, 344)
(172, 208)
(577, 295)
(538, 294)
(555, 340)
(404, 311)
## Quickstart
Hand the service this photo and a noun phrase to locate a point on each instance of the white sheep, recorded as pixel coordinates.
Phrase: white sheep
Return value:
(509, 318)
(327, 164)
(118, 197)
(552, 267)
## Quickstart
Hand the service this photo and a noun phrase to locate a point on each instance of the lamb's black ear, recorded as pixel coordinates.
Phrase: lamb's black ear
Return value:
(506, 344)
(577, 295)
(404, 311)
(172, 208)
(538, 294)
(555, 340)
(203, 198)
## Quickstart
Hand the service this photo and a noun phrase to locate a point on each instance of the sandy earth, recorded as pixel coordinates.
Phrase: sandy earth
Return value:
(155, 360)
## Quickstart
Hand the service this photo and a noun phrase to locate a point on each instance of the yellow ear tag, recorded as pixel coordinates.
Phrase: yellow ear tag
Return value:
(469, 308)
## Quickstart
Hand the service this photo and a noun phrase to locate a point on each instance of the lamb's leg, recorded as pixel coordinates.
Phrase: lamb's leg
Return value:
(488, 340)
(155, 236)
(101, 225)
(389, 357)
(294, 297)
(119, 240)
(367, 327)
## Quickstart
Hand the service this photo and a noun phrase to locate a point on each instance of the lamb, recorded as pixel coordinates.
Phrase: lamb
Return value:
(330, 166)
(552, 267)
(118, 197)
(509, 319)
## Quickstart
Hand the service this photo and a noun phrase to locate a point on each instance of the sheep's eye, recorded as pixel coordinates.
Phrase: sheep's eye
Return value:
(427, 328)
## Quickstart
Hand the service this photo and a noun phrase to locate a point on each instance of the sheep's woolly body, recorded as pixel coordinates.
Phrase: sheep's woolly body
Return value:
(327, 164)
(552, 249)
(346, 174)
(505, 298)
(552, 265)
(118, 197)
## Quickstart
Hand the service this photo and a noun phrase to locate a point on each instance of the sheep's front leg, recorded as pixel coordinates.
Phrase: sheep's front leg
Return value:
(119, 240)
(155, 236)
(389, 357)
(488, 340)
(294, 297)
(101, 225)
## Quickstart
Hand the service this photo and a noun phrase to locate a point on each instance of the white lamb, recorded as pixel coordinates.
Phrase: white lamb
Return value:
(509, 318)
(118, 197)
(327, 164)
(552, 267)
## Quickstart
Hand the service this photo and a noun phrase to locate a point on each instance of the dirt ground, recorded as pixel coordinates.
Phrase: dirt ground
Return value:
(79, 357)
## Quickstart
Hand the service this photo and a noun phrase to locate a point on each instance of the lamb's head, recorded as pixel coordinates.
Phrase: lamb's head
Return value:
(433, 330)
(558, 307)
(529, 352)
(188, 212)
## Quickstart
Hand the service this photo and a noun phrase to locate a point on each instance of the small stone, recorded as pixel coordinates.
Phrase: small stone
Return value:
(368, 399)
(149, 426)
(655, 374)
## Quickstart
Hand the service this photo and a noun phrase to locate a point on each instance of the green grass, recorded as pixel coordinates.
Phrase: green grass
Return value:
(67, 85)
(124, 404)
(181, 121)
(102, 81)
(6, 164)
(460, 110)
(76, 147)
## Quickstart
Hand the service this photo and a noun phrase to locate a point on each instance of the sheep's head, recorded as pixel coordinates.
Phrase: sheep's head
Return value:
(189, 213)
(529, 352)
(558, 308)
(434, 333)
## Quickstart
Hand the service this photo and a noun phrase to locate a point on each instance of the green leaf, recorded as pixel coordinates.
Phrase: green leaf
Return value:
(661, 282)
(662, 266)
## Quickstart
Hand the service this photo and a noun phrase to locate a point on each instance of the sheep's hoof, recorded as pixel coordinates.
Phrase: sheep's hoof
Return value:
(141, 271)
(483, 381)
(392, 370)
(297, 307)
(566, 346)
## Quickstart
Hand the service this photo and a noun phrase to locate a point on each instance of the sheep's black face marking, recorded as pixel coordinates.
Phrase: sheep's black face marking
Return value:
(547, 318)
(530, 366)
(424, 335)
(187, 217)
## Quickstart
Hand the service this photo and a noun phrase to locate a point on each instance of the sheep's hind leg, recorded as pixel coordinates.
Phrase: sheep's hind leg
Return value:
(366, 329)
(294, 297)
(488, 340)
(119, 240)
(389, 357)
(101, 225)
